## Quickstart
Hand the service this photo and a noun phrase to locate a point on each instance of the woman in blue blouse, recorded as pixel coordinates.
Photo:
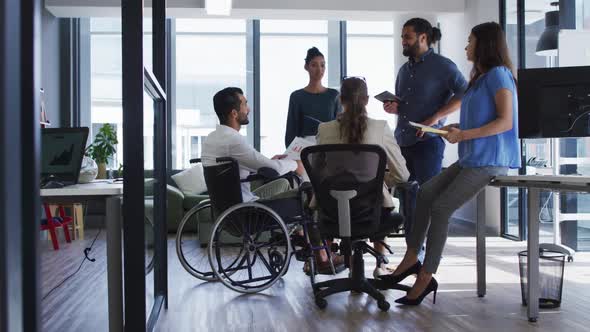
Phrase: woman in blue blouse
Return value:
(312, 105)
(488, 146)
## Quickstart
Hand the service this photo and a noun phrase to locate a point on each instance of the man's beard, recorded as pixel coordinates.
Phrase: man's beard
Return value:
(244, 120)
(412, 50)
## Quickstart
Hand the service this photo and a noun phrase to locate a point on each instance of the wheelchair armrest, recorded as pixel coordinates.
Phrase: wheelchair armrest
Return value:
(267, 174)
(219, 160)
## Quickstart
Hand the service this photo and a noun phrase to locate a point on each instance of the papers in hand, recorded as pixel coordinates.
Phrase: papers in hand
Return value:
(387, 96)
(293, 152)
(428, 129)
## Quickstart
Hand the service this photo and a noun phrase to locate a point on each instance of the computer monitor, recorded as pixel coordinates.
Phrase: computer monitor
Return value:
(62, 153)
(554, 102)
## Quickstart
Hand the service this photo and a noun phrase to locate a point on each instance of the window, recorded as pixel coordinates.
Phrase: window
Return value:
(370, 53)
(283, 47)
(211, 54)
(106, 78)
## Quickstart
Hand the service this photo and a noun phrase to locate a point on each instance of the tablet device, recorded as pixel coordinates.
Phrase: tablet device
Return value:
(387, 96)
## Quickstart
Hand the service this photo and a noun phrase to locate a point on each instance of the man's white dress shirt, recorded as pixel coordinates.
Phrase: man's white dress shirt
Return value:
(225, 141)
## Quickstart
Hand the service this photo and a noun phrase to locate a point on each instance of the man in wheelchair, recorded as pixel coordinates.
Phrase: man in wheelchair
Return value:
(232, 109)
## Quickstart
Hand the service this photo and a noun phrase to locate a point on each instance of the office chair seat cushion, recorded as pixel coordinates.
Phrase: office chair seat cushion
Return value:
(390, 223)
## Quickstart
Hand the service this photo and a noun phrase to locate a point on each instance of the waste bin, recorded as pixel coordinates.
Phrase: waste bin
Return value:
(551, 265)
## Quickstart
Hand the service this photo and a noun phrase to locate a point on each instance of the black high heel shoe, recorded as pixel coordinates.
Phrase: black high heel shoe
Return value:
(432, 287)
(396, 279)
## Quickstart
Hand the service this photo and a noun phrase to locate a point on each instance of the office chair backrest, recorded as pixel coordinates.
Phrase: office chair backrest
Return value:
(223, 184)
(343, 167)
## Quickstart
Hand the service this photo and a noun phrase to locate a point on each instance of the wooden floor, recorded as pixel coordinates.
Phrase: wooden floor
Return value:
(80, 304)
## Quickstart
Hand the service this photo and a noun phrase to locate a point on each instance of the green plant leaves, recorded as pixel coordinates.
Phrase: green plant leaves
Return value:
(104, 145)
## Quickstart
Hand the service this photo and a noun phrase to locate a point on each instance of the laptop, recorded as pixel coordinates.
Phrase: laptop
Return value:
(62, 151)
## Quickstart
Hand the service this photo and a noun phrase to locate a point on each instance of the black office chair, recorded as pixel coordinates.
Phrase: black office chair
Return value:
(347, 181)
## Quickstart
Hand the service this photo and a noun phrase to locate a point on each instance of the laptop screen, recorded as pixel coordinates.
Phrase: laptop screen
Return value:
(62, 153)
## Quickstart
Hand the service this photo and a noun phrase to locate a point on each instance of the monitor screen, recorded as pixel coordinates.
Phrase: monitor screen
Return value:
(62, 153)
(554, 102)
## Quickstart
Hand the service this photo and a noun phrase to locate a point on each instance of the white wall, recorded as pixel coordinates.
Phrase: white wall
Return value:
(51, 73)
(452, 44)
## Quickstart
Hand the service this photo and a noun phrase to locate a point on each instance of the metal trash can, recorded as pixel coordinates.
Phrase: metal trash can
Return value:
(551, 266)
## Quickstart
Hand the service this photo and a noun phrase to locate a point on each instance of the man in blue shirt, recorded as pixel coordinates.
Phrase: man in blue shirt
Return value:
(430, 87)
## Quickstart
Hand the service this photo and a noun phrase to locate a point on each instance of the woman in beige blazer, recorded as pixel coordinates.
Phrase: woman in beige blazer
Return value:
(353, 126)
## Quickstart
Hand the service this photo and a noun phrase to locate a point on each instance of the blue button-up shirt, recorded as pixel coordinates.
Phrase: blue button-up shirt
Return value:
(425, 86)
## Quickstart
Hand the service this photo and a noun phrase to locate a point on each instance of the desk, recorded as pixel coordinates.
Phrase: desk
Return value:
(535, 184)
(112, 195)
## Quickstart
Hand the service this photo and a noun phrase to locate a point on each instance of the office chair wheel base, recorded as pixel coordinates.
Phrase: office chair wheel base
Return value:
(383, 305)
(532, 320)
(321, 303)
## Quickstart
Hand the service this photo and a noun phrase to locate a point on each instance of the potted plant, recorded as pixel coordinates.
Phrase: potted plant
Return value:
(103, 148)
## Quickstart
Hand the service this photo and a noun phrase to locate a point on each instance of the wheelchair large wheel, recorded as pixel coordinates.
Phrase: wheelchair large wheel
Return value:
(249, 248)
(191, 252)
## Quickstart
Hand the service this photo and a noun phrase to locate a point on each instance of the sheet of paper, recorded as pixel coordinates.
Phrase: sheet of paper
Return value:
(293, 152)
(428, 129)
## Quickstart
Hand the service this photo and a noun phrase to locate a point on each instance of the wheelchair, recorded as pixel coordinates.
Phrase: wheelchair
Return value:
(251, 243)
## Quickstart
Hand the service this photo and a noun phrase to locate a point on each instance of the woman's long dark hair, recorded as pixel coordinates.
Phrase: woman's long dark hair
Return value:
(491, 50)
(353, 121)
